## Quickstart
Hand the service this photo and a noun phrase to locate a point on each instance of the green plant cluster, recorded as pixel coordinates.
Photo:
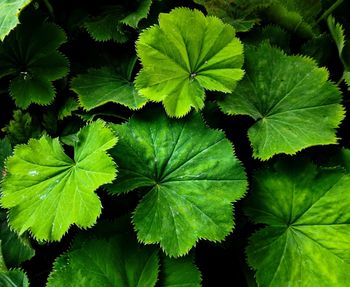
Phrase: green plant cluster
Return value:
(149, 143)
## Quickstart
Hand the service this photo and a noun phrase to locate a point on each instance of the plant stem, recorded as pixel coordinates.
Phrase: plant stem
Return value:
(329, 11)
(49, 8)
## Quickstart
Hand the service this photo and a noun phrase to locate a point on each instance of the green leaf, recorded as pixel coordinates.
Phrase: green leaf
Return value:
(112, 21)
(180, 272)
(337, 33)
(104, 262)
(286, 96)
(295, 16)
(67, 109)
(14, 249)
(306, 241)
(34, 64)
(100, 86)
(5, 151)
(347, 79)
(21, 128)
(179, 161)
(9, 11)
(47, 191)
(13, 278)
(178, 64)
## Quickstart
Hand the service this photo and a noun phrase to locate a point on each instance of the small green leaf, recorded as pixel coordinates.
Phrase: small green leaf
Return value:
(9, 11)
(192, 176)
(306, 242)
(100, 86)
(347, 79)
(34, 64)
(14, 249)
(21, 128)
(104, 262)
(13, 278)
(47, 191)
(180, 272)
(112, 21)
(337, 33)
(179, 65)
(69, 106)
(286, 96)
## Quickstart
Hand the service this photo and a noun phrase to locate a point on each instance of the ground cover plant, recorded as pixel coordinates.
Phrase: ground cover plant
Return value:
(174, 143)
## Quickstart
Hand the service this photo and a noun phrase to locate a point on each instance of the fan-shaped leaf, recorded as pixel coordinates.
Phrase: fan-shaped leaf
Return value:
(287, 96)
(191, 172)
(9, 11)
(47, 191)
(179, 64)
(306, 242)
(100, 86)
(34, 64)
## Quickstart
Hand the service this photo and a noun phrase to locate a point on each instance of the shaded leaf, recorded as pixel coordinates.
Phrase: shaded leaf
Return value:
(100, 86)
(286, 96)
(13, 278)
(192, 176)
(306, 241)
(178, 65)
(47, 191)
(34, 64)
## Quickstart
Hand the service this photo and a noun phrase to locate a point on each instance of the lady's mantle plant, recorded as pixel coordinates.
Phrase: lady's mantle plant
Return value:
(132, 131)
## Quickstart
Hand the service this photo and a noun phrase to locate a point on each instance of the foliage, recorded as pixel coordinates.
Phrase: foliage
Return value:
(174, 143)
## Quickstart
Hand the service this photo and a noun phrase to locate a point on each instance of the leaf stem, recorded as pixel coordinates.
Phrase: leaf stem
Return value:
(329, 11)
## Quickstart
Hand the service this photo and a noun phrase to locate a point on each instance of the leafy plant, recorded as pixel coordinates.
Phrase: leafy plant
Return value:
(174, 143)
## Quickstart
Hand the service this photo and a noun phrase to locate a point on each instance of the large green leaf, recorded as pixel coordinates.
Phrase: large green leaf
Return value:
(108, 256)
(9, 11)
(111, 23)
(192, 176)
(13, 278)
(100, 86)
(47, 191)
(179, 64)
(14, 249)
(286, 96)
(29, 54)
(307, 240)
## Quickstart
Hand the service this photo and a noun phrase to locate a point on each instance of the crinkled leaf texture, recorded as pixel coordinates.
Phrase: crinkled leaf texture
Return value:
(178, 65)
(14, 249)
(307, 210)
(112, 21)
(5, 151)
(47, 191)
(192, 176)
(35, 63)
(13, 278)
(9, 11)
(100, 86)
(291, 100)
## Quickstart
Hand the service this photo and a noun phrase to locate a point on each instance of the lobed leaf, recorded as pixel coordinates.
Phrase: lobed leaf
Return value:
(286, 96)
(192, 176)
(46, 191)
(306, 241)
(179, 65)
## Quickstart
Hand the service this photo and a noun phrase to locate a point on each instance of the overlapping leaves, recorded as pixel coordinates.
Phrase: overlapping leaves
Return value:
(286, 96)
(178, 65)
(306, 241)
(46, 191)
(192, 176)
